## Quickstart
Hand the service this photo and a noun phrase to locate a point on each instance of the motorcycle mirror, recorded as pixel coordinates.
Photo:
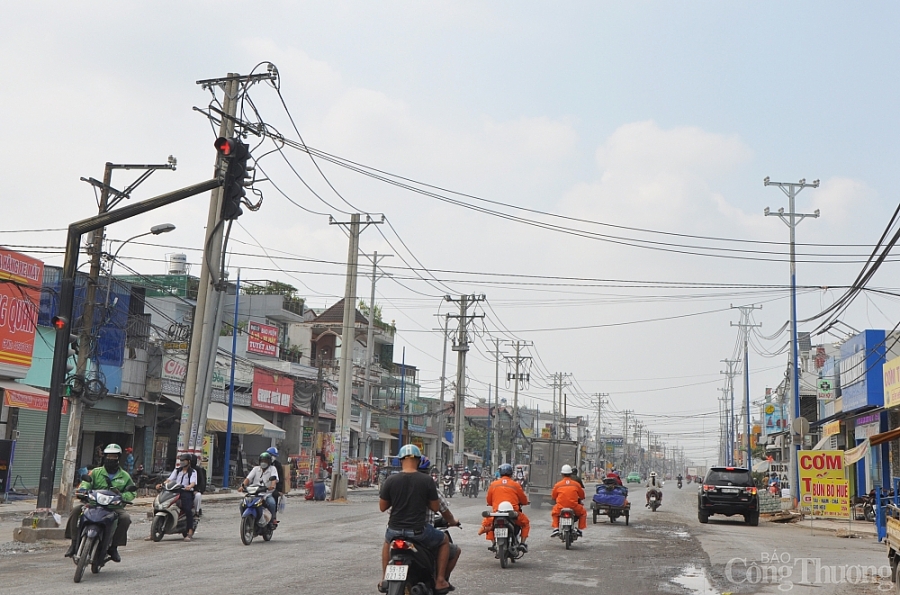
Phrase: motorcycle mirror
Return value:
(131, 488)
(485, 513)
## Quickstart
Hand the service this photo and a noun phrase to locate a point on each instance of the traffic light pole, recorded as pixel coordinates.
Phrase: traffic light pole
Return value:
(66, 303)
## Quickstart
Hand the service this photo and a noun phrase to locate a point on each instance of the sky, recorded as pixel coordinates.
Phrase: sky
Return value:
(601, 131)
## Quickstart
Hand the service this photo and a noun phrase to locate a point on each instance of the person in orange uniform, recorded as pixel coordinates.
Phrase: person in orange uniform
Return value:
(506, 489)
(568, 493)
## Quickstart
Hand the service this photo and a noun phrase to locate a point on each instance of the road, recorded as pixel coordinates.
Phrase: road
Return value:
(334, 548)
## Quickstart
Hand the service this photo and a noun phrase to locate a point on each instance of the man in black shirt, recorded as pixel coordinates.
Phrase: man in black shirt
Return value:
(410, 496)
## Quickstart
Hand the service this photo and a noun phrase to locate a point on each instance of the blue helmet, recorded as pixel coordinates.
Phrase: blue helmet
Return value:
(506, 469)
(409, 450)
(272, 451)
(424, 464)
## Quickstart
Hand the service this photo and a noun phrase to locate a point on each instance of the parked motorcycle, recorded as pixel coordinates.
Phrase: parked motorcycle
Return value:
(655, 500)
(506, 536)
(255, 517)
(96, 528)
(411, 568)
(168, 518)
(449, 486)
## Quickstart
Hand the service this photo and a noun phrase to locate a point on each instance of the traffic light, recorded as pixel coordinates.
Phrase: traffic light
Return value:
(236, 154)
(61, 324)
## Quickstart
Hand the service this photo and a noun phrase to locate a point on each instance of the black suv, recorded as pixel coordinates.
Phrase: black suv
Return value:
(728, 491)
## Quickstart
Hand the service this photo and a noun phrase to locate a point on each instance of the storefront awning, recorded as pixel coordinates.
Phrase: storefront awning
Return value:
(16, 394)
(472, 456)
(243, 421)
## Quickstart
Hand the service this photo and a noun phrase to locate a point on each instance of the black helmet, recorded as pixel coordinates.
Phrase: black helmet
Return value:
(506, 469)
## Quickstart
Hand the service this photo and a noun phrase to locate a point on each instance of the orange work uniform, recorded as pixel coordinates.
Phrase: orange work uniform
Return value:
(568, 493)
(506, 489)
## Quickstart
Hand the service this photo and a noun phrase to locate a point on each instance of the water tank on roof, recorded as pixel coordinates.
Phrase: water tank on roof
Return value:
(178, 264)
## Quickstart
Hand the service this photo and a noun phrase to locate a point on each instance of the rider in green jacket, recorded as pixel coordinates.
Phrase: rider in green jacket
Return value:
(108, 477)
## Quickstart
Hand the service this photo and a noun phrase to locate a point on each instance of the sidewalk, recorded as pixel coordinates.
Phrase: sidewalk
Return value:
(841, 528)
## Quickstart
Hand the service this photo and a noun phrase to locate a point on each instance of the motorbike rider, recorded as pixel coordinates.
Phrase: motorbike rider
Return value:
(774, 483)
(567, 493)
(279, 486)
(451, 473)
(653, 485)
(185, 475)
(466, 477)
(501, 490)
(615, 475)
(108, 477)
(455, 551)
(266, 475)
(409, 495)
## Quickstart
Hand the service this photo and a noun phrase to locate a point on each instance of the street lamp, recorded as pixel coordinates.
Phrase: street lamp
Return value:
(155, 230)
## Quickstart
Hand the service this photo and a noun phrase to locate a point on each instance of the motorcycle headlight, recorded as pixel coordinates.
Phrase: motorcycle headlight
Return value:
(105, 499)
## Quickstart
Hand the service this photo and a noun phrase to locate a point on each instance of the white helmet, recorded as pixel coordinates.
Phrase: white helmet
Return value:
(653, 474)
(566, 470)
(505, 507)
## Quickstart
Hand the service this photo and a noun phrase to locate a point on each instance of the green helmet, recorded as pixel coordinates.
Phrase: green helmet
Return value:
(265, 457)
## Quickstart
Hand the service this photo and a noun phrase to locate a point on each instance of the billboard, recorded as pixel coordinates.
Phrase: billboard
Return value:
(272, 391)
(262, 339)
(862, 359)
(20, 301)
(824, 490)
(891, 374)
(775, 418)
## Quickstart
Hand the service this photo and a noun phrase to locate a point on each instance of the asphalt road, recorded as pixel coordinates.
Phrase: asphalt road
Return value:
(334, 548)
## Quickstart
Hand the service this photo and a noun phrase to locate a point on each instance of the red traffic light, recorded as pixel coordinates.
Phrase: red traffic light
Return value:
(225, 146)
(59, 323)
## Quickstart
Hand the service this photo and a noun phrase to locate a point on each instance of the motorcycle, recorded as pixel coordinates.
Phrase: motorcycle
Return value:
(506, 536)
(464, 485)
(654, 500)
(567, 526)
(449, 486)
(96, 528)
(255, 516)
(679, 484)
(168, 518)
(411, 568)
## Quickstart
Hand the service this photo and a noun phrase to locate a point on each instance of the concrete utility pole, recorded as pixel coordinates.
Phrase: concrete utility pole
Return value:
(85, 337)
(601, 447)
(730, 373)
(461, 346)
(348, 340)
(745, 325)
(519, 376)
(365, 412)
(493, 428)
(442, 415)
(792, 219)
(625, 444)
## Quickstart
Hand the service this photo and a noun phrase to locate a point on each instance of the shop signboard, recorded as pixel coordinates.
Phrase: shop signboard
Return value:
(781, 470)
(824, 490)
(775, 420)
(862, 382)
(825, 389)
(867, 425)
(891, 374)
(272, 392)
(174, 365)
(20, 300)
(330, 399)
(206, 453)
(134, 408)
(262, 339)
(27, 400)
(306, 440)
(832, 428)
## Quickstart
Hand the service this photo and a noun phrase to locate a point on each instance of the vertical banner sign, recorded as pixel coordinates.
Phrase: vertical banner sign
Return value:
(262, 339)
(824, 491)
(892, 383)
(206, 453)
(20, 300)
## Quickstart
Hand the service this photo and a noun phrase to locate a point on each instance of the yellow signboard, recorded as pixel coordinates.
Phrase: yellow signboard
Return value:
(831, 428)
(824, 491)
(891, 371)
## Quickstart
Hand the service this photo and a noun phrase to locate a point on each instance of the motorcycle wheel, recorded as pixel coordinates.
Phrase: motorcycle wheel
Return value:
(396, 588)
(503, 554)
(568, 540)
(96, 560)
(595, 518)
(267, 533)
(85, 553)
(870, 514)
(158, 529)
(248, 531)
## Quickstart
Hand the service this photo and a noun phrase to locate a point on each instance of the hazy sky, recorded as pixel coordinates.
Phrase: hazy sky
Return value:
(653, 115)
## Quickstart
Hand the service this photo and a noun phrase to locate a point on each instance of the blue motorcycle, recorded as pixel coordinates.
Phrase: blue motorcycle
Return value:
(96, 528)
(256, 519)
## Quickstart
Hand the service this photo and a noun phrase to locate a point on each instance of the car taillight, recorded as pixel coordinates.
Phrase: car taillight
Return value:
(751, 491)
(707, 488)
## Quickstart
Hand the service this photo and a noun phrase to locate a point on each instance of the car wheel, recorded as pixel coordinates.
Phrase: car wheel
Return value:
(703, 516)
(752, 519)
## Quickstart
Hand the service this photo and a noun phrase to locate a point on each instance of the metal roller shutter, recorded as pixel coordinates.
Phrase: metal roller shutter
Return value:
(98, 420)
(26, 467)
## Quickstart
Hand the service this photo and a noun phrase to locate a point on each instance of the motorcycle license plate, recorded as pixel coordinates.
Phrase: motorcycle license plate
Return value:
(396, 572)
(501, 532)
(565, 521)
